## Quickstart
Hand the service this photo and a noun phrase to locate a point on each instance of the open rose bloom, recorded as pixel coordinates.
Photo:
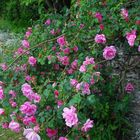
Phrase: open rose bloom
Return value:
(109, 52)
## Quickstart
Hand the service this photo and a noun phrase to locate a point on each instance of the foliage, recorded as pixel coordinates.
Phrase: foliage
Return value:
(102, 95)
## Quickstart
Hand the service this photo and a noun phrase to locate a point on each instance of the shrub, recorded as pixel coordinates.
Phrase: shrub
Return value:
(62, 85)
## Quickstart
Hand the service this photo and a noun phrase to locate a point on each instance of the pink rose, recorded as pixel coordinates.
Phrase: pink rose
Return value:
(14, 126)
(51, 132)
(70, 116)
(99, 16)
(129, 87)
(28, 109)
(61, 41)
(62, 138)
(139, 48)
(30, 134)
(73, 82)
(66, 50)
(101, 27)
(28, 33)
(2, 111)
(109, 52)
(1, 93)
(74, 64)
(82, 68)
(28, 78)
(100, 38)
(3, 66)
(25, 44)
(75, 48)
(131, 36)
(48, 22)
(85, 88)
(5, 125)
(88, 125)
(32, 61)
(124, 14)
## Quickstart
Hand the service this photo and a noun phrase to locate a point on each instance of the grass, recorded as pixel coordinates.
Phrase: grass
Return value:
(12, 26)
(9, 135)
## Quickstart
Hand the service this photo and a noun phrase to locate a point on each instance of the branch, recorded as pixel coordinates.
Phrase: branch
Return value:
(34, 47)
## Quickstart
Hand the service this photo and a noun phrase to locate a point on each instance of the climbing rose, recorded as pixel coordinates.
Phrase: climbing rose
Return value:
(100, 38)
(70, 116)
(28, 109)
(25, 44)
(85, 88)
(88, 125)
(109, 52)
(51, 132)
(98, 16)
(32, 60)
(3, 66)
(73, 82)
(61, 41)
(30, 134)
(63, 138)
(2, 111)
(124, 14)
(26, 89)
(5, 125)
(1, 93)
(14, 126)
(48, 22)
(82, 68)
(129, 87)
(131, 36)
(139, 48)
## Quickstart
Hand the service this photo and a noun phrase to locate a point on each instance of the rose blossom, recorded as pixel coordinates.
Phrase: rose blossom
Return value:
(14, 126)
(61, 41)
(30, 134)
(28, 120)
(100, 38)
(25, 44)
(139, 48)
(26, 89)
(73, 82)
(32, 61)
(51, 132)
(48, 22)
(129, 87)
(85, 88)
(62, 138)
(1, 93)
(65, 60)
(74, 64)
(66, 50)
(28, 109)
(124, 14)
(131, 36)
(3, 66)
(98, 16)
(5, 125)
(109, 52)
(75, 48)
(70, 116)
(101, 26)
(2, 111)
(88, 125)
(59, 103)
(82, 68)
(28, 78)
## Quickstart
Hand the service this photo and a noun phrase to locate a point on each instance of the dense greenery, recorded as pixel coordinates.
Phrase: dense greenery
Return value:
(60, 47)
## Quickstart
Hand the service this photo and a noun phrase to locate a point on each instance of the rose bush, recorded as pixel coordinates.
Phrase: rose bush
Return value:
(61, 83)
